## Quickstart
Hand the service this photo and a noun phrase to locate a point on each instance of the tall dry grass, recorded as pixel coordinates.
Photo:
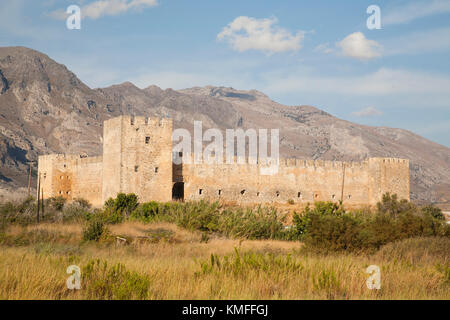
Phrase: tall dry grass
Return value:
(172, 258)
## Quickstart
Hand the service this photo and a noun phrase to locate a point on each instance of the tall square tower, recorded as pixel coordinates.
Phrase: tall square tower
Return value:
(137, 158)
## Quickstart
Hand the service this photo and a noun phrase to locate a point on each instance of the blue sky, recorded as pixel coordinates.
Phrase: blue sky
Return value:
(319, 53)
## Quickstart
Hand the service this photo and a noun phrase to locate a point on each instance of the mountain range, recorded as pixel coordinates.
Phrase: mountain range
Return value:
(45, 108)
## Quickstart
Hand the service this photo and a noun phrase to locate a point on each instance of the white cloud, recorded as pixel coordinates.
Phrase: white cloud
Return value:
(324, 48)
(245, 33)
(100, 8)
(368, 112)
(357, 46)
(415, 10)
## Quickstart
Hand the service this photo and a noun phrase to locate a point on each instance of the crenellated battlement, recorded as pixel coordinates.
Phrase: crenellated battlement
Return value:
(138, 121)
(293, 162)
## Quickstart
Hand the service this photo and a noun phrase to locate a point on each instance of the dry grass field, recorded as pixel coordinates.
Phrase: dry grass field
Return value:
(163, 261)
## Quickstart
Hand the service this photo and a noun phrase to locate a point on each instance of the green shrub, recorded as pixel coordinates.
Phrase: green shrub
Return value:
(111, 216)
(258, 223)
(94, 231)
(113, 283)
(201, 216)
(125, 203)
(433, 211)
(116, 210)
(328, 227)
(302, 222)
(334, 233)
(392, 206)
(146, 212)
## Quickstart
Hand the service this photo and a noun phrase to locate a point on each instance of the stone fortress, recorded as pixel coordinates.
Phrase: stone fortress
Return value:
(137, 158)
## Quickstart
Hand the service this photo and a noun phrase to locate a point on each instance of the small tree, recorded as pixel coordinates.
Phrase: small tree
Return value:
(94, 231)
(391, 205)
(123, 205)
(433, 211)
(303, 220)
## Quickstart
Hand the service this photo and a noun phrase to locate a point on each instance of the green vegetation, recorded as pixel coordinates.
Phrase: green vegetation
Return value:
(200, 250)
(325, 227)
(328, 227)
(94, 231)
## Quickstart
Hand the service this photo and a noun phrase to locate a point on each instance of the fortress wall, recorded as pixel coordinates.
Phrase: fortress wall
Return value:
(87, 179)
(299, 180)
(71, 176)
(112, 147)
(56, 173)
(138, 158)
(45, 170)
(388, 175)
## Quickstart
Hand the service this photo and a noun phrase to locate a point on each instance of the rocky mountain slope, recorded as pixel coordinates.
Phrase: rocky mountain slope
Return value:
(45, 108)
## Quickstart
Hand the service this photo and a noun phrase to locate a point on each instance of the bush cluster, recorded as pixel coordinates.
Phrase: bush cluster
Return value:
(94, 231)
(328, 227)
(258, 223)
(118, 209)
(54, 209)
(22, 213)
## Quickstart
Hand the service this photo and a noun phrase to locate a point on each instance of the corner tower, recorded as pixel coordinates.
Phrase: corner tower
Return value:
(388, 175)
(137, 158)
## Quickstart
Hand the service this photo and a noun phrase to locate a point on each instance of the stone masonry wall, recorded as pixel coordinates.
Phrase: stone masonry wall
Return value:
(71, 177)
(137, 155)
(301, 181)
(137, 158)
